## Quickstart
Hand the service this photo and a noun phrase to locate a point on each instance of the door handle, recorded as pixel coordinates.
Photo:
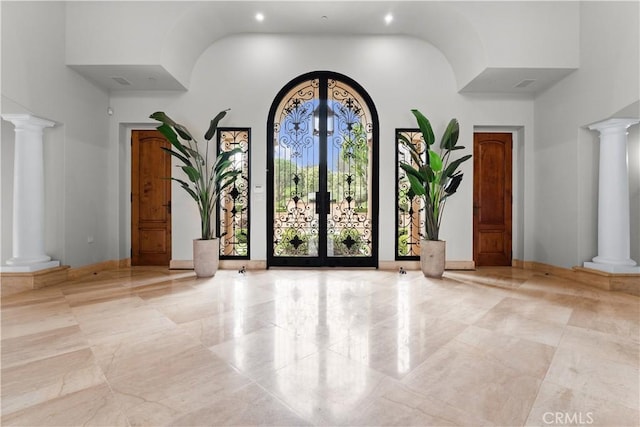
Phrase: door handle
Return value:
(325, 202)
(318, 202)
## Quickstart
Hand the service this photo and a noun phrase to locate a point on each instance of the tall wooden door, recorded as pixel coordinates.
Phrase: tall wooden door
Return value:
(492, 199)
(150, 199)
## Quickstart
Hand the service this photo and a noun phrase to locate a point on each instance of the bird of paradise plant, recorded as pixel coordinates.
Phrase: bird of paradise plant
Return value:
(205, 179)
(435, 176)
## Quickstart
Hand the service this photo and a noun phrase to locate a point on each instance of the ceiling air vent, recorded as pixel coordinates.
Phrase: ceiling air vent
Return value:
(525, 83)
(121, 80)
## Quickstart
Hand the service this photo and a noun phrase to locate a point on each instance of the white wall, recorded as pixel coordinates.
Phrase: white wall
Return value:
(35, 80)
(399, 73)
(634, 190)
(536, 34)
(86, 155)
(565, 161)
(93, 37)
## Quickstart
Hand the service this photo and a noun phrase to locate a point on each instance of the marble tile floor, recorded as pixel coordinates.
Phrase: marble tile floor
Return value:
(150, 347)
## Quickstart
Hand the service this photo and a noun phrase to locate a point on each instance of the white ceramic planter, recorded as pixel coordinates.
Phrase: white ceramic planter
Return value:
(206, 257)
(432, 257)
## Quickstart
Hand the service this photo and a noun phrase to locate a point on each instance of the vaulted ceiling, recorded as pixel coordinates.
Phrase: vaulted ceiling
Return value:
(496, 47)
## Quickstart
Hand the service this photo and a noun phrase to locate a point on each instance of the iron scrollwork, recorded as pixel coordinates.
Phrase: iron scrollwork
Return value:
(233, 210)
(322, 172)
(409, 208)
(296, 174)
(349, 224)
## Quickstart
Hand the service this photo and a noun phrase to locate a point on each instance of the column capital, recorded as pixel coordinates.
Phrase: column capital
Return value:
(28, 121)
(614, 125)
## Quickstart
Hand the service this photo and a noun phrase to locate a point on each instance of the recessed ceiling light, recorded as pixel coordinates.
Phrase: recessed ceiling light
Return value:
(259, 17)
(388, 18)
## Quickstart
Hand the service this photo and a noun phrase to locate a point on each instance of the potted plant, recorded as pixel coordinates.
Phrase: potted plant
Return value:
(433, 176)
(206, 179)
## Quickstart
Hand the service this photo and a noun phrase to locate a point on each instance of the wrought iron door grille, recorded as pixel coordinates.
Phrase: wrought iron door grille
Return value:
(349, 173)
(233, 209)
(321, 173)
(409, 208)
(296, 173)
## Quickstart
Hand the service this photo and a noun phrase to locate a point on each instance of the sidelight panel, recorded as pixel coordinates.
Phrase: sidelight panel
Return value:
(409, 208)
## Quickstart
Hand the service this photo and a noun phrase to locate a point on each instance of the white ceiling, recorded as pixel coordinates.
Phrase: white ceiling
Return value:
(319, 17)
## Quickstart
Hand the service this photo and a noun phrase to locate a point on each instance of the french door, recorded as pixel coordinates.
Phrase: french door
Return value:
(322, 174)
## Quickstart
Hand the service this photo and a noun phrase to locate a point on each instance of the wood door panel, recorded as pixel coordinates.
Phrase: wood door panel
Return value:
(491, 242)
(153, 195)
(492, 199)
(150, 199)
(153, 241)
(492, 159)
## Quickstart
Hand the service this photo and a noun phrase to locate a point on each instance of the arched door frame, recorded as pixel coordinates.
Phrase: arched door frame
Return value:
(324, 76)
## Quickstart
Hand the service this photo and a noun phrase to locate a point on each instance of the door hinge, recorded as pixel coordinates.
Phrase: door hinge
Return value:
(131, 194)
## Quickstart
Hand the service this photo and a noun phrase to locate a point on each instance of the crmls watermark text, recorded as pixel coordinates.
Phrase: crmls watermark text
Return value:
(565, 418)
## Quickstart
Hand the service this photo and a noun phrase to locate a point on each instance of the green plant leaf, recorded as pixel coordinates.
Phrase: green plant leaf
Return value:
(195, 154)
(410, 170)
(435, 161)
(183, 132)
(450, 135)
(168, 133)
(225, 183)
(192, 173)
(187, 188)
(452, 184)
(416, 185)
(427, 173)
(451, 168)
(222, 165)
(425, 127)
(177, 155)
(213, 125)
(171, 136)
(162, 117)
(225, 175)
(223, 160)
(418, 160)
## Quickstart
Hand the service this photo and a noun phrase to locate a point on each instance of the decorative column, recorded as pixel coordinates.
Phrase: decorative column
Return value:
(28, 196)
(614, 233)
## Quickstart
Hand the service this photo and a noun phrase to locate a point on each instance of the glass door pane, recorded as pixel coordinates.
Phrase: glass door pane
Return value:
(322, 174)
(296, 174)
(349, 172)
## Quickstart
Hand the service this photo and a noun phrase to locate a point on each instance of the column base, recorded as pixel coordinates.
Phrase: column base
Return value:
(18, 261)
(612, 268)
(13, 283)
(29, 268)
